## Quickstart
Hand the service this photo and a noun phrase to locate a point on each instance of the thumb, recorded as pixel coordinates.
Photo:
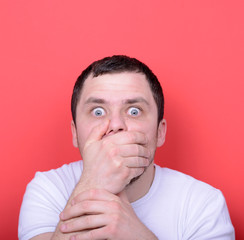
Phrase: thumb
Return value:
(97, 133)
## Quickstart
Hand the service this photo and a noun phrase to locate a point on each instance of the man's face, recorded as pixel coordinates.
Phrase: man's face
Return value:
(126, 100)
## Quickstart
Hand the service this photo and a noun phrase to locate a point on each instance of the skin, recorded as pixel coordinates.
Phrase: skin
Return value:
(117, 134)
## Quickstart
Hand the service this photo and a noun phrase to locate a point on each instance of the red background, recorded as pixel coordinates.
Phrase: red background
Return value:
(196, 48)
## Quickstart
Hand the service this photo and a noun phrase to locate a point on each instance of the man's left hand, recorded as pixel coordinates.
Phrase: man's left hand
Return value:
(99, 214)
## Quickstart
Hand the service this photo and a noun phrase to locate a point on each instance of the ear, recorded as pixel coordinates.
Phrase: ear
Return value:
(74, 134)
(162, 128)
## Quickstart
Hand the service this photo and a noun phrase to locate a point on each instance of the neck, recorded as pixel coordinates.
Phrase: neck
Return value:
(141, 186)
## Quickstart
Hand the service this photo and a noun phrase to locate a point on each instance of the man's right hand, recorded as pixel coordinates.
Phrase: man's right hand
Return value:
(111, 161)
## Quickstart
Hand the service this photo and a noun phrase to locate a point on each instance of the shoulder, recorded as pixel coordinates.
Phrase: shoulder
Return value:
(71, 172)
(182, 182)
(200, 205)
(45, 197)
(56, 183)
(191, 191)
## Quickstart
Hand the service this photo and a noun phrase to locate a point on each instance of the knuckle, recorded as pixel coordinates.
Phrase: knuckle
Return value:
(148, 153)
(91, 235)
(116, 219)
(132, 137)
(87, 221)
(138, 161)
(85, 205)
(138, 149)
(125, 174)
(78, 197)
(112, 230)
(113, 151)
(144, 162)
(92, 193)
(115, 206)
(118, 163)
(70, 225)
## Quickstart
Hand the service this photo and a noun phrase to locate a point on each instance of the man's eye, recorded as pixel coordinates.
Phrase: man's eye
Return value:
(133, 111)
(98, 112)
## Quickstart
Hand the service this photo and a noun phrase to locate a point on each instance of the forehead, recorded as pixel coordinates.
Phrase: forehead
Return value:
(116, 86)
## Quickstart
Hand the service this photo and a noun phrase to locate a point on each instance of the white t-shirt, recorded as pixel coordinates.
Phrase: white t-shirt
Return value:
(176, 207)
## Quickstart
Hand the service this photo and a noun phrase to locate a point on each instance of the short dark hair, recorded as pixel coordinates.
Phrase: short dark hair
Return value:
(118, 64)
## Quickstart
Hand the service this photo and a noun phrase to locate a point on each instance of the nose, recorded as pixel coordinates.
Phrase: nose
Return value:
(116, 124)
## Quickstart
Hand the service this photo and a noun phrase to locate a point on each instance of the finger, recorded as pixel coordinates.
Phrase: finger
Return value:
(129, 137)
(134, 150)
(95, 194)
(97, 233)
(136, 172)
(84, 223)
(136, 162)
(97, 133)
(82, 208)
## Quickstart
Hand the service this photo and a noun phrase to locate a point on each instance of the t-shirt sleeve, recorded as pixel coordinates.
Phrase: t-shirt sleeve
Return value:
(208, 217)
(45, 197)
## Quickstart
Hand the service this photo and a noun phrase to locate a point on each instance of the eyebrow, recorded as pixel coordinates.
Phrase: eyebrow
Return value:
(136, 100)
(95, 100)
(126, 101)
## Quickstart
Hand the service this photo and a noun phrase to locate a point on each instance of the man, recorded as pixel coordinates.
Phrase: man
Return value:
(117, 192)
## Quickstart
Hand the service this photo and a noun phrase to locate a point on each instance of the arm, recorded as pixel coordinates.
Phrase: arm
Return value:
(106, 215)
(43, 236)
(109, 163)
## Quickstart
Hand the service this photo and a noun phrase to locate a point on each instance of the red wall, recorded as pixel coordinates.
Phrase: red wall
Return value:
(196, 49)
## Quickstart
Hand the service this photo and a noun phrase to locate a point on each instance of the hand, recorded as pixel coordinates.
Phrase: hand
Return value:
(98, 214)
(110, 162)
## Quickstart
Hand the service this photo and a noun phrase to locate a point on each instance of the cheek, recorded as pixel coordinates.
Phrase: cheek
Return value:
(83, 134)
(146, 127)
(133, 125)
(81, 143)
